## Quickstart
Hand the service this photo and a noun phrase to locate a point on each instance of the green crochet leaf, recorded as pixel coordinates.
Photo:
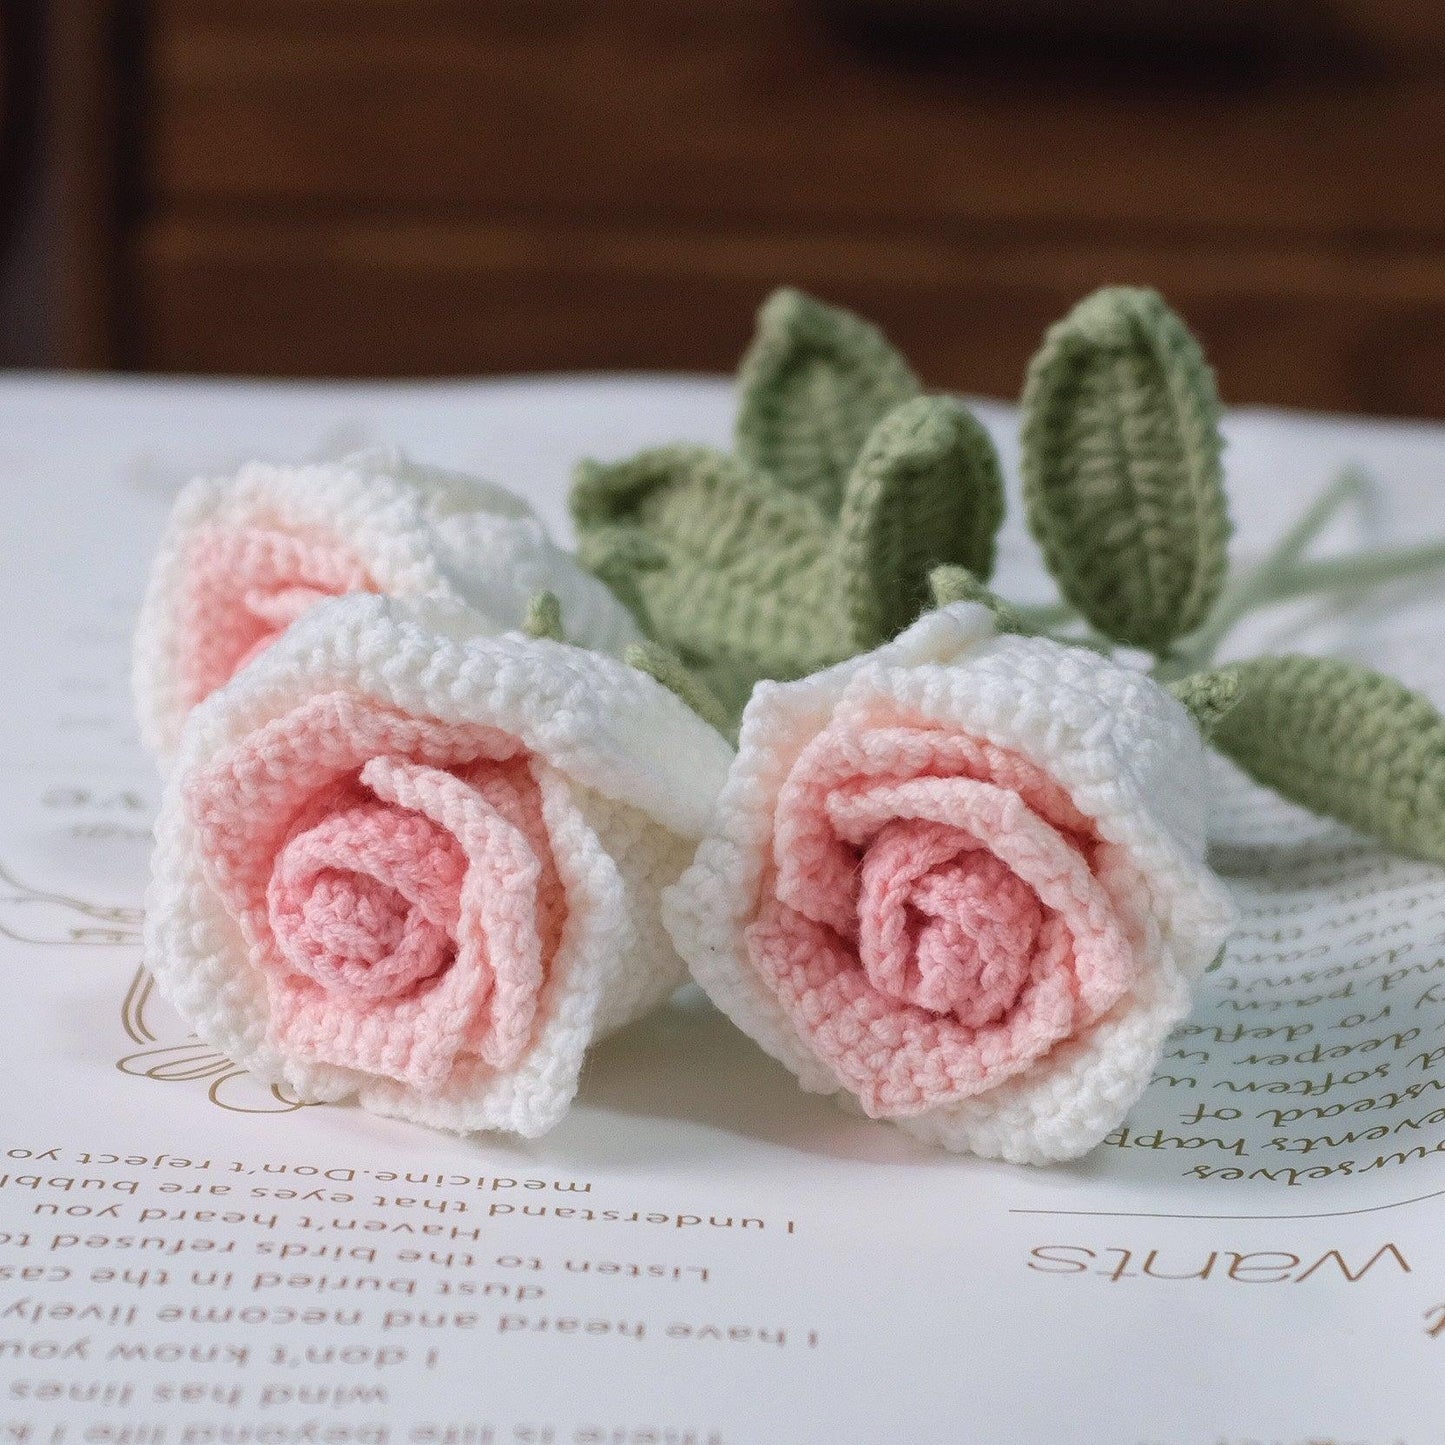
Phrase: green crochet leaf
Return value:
(734, 574)
(1343, 741)
(927, 489)
(814, 383)
(1121, 467)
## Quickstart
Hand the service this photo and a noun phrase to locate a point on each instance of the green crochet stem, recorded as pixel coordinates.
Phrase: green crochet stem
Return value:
(664, 666)
(1257, 587)
(1284, 575)
(1359, 572)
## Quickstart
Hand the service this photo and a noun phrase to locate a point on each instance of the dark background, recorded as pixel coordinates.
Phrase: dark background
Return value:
(434, 187)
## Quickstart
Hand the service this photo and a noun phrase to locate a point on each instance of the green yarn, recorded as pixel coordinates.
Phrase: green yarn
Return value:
(958, 584)
(1208, 696)
(745, 579)
(1121, 467)
(1343, 741)
(814, 542)
(667, 668)
(815, 381)
(734, 574)
(544, 618)
(926, 489)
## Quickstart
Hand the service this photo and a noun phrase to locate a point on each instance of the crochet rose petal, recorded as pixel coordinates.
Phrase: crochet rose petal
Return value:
(243, 557)
(962, 879)
(405, 860)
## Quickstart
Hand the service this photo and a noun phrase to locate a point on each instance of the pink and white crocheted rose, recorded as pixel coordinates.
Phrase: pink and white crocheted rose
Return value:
(961, 879)
(244, 556)
(405, 859)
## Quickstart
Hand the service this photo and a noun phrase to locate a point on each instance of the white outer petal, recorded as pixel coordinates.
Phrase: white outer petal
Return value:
(638, 773)
(419, 531)
(1086, 1088)
(1127, 753)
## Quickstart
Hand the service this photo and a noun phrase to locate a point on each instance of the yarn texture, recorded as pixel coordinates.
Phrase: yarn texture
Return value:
(960, 879)
(814, 541)
(1121, 467)
(406, 859)
(244, 556)
(1344, 741)
(814, 383)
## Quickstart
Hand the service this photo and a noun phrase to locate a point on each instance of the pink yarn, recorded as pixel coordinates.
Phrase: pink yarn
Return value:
(932, 923)
(944, 924)
(395, 880)
(365, 901)
(244, 586)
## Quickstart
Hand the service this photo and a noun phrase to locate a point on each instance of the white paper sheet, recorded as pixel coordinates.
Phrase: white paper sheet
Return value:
(700, 1253)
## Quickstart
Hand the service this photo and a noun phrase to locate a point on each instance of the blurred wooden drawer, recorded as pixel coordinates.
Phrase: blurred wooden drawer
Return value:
(755, 109)
(438, 186)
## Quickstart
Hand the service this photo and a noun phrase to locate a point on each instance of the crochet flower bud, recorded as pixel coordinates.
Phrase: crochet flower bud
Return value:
(244, 556)
(961, 879)
(404, 859)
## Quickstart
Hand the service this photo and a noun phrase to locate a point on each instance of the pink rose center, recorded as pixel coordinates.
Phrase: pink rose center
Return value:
(933, 925)
(944, 923)
(365, 902)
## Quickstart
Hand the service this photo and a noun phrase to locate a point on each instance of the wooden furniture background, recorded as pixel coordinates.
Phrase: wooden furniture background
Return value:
(386, 187)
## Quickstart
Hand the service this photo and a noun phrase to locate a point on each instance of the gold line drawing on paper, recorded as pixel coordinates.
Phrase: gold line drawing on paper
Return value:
(44, 918)
(230, 1087)
(47, 919)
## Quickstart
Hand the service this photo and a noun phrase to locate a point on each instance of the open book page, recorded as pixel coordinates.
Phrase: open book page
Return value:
(700, 1253)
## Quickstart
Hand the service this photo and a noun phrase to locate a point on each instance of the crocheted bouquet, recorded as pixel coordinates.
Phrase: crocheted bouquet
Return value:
(446, 803)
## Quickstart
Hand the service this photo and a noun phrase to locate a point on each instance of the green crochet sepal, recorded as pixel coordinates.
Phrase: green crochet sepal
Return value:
(544, 618)
(812, 386)
(664, 666)
(958, 584)
(1121, 468)
(1343, 741)
(1208, 696)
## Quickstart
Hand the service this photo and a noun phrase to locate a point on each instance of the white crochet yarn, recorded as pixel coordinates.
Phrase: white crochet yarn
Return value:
(417, 530)
(629, 776)
(1127, 754)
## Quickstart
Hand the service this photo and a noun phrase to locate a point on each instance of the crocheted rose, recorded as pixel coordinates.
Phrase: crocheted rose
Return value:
(961, 879)
(244, 556)
(403, 859)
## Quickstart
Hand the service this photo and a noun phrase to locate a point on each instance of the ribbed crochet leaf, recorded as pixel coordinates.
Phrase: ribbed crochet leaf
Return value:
(927, 489)
(734, 574)
(1343, 741)
(1121, 467)
(814, 383)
